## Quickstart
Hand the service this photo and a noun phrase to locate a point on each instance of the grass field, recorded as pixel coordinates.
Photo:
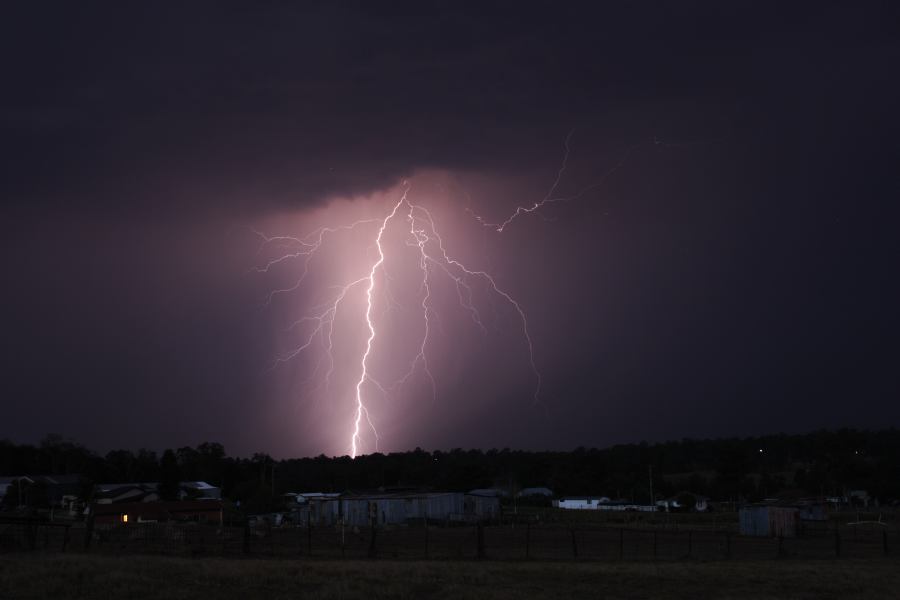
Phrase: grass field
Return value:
(36, 576)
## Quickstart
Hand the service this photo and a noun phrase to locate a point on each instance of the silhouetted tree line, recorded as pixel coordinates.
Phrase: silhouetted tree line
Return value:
(814, 464)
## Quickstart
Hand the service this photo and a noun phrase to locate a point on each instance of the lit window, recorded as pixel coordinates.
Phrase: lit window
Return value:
(124, 518)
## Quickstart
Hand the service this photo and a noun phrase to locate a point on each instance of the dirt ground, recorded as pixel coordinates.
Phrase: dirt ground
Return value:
(37, 576)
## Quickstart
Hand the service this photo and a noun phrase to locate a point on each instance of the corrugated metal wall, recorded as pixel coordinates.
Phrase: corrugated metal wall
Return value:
(394, 510)
(783, 521)
(768, 521)
(482, 507)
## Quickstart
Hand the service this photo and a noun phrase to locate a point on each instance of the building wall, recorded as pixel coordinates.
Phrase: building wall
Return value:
(482, 507)
(768, 521)
(578, 503)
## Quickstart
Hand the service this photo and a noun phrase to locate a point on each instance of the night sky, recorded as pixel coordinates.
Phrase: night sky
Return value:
(730, 270)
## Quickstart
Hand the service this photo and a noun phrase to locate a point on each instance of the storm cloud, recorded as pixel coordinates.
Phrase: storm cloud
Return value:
(737, 263)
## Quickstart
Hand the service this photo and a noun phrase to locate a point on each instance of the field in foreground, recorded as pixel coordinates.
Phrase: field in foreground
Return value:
(57, 576)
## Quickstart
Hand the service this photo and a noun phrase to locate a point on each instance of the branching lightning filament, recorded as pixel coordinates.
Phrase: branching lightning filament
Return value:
(433, 258)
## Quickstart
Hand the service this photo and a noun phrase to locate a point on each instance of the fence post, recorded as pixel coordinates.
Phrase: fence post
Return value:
(31, 533)
(372, 530)
(245, 547)
(66, 538)
(89, 531)
(780, 552)
(621, 543)
(884, 541)
(308, 534)
(727, 544)
(528, 539)
(574, 544)
(426, 538)
(479, 530)
(837, 542)
(690, 544)
(655, 540)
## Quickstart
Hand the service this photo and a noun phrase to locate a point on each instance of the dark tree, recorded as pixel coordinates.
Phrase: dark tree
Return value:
(169, 476)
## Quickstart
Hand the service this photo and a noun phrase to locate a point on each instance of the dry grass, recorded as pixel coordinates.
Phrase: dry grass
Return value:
(138, 577)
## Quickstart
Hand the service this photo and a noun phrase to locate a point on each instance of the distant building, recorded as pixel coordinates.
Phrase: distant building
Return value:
(489, 492)
(535, 491)
(397, 508)
(700, 504)
(602, 503)
(199, 489)
(766, 520)
(52, 491)
(481, 506)
(5, 482)
(202, 511)
(859, 498)
(579, 503)
(113, 493)
(811, 509)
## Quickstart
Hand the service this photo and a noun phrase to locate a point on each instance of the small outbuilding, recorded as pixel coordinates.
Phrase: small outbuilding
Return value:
(764, 520)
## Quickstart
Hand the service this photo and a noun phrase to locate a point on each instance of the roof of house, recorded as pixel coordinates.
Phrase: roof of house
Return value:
(536, 491)
(46, 479)
(108, 487)
(198, 485)
(486, 492)
(397, 495)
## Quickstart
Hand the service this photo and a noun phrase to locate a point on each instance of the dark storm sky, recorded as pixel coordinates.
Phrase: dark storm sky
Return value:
(739, 279)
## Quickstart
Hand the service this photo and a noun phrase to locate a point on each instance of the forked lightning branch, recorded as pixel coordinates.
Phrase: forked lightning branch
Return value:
(434, 260)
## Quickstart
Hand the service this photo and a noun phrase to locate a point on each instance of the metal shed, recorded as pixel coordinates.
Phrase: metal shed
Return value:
(769, 521)
(399, 508)
(479, 507)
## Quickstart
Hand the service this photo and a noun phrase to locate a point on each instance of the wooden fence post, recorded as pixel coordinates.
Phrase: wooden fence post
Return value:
(655, 544)
(31, 533)
(621, 543)
(837, 542)
(727, 544)
(690, 544)
(299, 540)
(884, 541)
(426, 538)
(528, 539)
(245, 546)
(65, 543)
(308, 534)
(372, 530)
(780, 551)
(480, 539)
(574, 544)
(89, 531)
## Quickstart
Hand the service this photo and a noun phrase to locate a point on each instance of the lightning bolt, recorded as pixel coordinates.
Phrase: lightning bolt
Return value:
(361, 409)
(423, 237)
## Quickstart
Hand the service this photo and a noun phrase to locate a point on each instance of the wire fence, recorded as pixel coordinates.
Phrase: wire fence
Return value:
(421, 542)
